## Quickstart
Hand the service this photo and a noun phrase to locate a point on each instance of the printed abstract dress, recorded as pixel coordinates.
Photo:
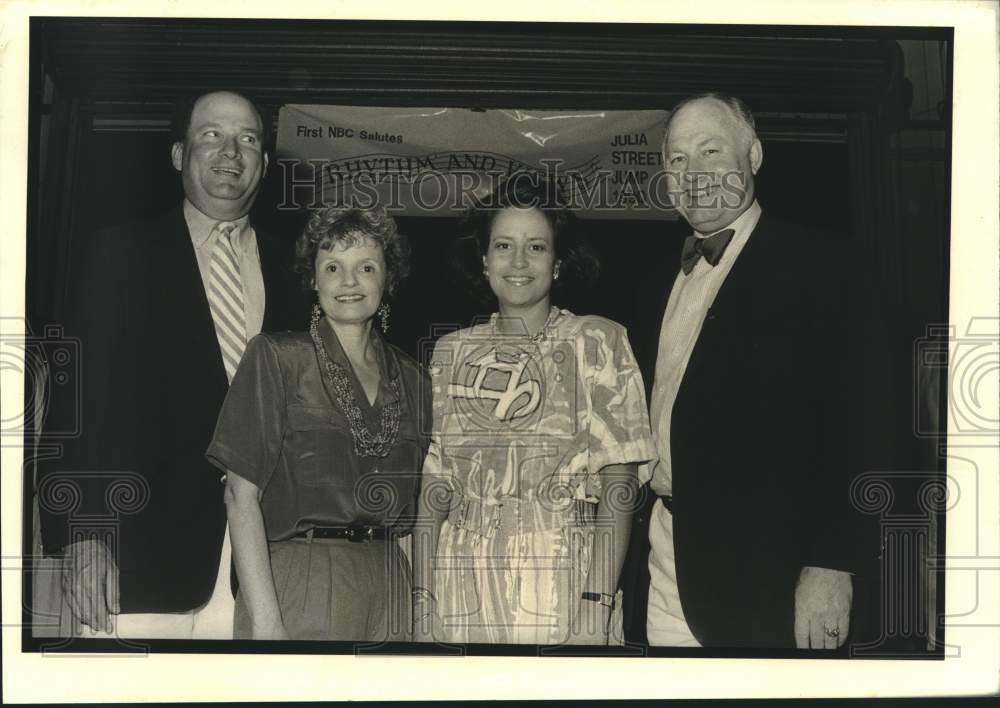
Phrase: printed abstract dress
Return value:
(522, 428)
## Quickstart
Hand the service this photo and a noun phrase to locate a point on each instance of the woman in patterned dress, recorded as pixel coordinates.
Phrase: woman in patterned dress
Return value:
(539, 424)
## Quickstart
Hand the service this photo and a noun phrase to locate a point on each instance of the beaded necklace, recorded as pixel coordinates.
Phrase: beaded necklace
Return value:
(366, 444)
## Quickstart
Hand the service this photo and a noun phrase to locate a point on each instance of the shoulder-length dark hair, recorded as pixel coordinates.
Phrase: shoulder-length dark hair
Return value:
(578, 265)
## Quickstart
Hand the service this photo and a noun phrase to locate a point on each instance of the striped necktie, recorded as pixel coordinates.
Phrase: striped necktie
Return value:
(225, 297)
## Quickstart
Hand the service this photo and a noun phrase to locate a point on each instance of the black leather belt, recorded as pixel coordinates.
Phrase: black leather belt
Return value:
(355, 534)
(668, 501)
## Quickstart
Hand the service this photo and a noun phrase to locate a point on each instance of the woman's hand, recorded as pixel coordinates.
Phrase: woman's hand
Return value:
(591, 625)
(253, 562)
(609, 541)
(427, 625)
(428, 628)
(270, 630)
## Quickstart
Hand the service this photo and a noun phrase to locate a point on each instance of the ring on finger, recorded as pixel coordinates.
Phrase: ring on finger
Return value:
(832, 633)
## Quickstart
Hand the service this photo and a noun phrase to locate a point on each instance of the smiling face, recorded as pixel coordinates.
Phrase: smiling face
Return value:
(222, 160)
(714, 158)
(350, 279)
(521, 258)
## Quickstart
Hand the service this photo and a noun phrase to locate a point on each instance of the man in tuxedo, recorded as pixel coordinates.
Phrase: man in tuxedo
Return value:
(163, 310)
(751, 542)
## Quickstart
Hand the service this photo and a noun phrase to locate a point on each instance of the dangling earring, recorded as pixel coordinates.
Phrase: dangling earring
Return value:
(555, 272)
(383, 313)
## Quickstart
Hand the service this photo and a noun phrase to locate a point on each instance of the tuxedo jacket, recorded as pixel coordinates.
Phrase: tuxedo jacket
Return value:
(152, 382)
(761, 441)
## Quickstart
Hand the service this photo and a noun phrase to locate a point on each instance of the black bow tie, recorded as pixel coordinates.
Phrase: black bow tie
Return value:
(711, 248)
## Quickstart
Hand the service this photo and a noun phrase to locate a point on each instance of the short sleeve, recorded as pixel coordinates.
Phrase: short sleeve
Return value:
(251, 425)
(619, 420)
(436, 463)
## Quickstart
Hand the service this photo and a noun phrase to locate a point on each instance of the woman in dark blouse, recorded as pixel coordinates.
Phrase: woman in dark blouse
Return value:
(320, 441)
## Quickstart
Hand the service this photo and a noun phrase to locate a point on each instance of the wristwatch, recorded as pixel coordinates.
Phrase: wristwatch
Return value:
(601, 597)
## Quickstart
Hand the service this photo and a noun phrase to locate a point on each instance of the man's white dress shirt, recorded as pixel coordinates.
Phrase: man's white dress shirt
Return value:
(690, 299)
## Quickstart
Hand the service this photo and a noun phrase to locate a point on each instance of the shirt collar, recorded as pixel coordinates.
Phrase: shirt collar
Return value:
(200, 226)
(387, 365)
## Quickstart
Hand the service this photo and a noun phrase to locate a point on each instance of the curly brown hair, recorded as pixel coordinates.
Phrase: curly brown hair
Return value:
(351, 225)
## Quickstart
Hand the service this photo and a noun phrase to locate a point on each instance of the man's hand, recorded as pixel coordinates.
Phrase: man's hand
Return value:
(90, 583)
(822, 608)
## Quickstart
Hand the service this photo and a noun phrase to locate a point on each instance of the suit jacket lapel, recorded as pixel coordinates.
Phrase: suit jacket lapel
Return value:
(744, 283)
(735, 303)
(180, 298)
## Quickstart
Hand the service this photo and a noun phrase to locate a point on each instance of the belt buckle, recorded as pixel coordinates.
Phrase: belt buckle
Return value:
(360, 534)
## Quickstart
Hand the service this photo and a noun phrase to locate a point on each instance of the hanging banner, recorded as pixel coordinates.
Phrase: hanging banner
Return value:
(436, 161)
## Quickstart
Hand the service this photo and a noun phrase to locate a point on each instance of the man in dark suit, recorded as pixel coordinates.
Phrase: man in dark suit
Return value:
(751, 539)
(163, 310)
